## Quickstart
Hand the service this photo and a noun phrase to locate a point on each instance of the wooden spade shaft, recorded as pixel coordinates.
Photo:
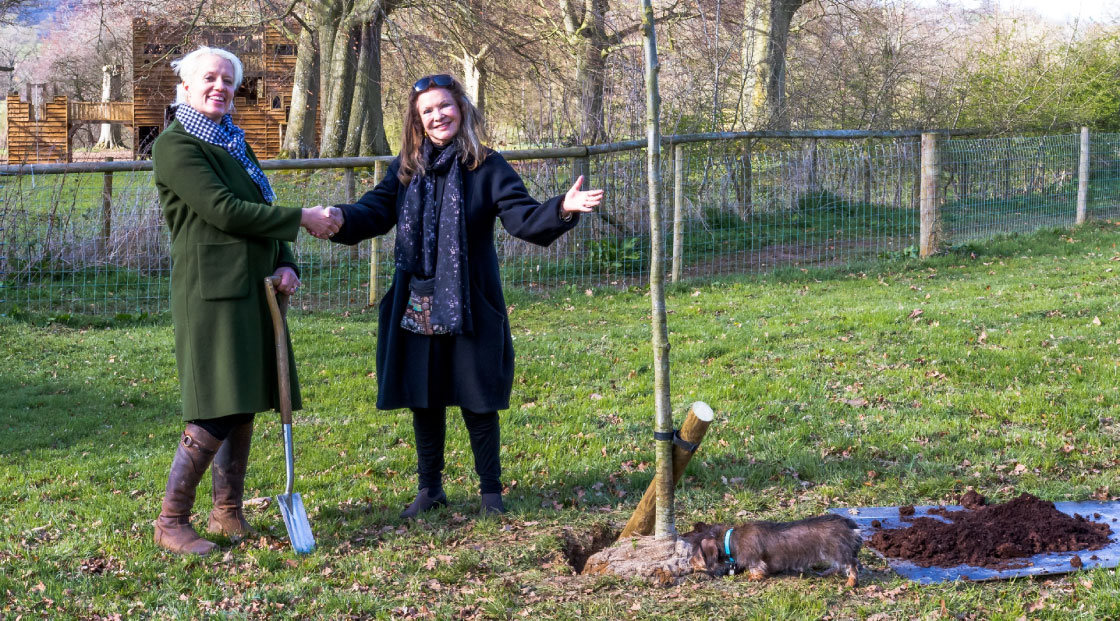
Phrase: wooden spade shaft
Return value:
(280, 331)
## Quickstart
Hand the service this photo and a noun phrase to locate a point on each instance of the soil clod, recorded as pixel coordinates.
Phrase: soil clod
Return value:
(972, 500)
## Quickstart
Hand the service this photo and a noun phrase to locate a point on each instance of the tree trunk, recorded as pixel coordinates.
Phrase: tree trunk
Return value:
(342, 65)
(366, 129)
(328, 18)
(360, 104)
(717, 112)
(374, 141)
(475, 76)
(772, 39)
(299, 136)
(756, 24)
(110, 137)
(585, 26)
(590, 70)
(664, 526)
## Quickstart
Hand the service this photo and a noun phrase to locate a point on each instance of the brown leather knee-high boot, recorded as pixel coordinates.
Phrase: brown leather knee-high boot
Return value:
(228, 474)
(173, 526)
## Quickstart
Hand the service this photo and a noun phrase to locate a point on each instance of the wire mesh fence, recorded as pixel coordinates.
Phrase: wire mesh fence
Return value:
(1009, 185)
(94, 242)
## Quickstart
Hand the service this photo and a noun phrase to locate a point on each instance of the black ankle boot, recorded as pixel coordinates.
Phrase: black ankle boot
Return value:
(492, 504)
(424, 502)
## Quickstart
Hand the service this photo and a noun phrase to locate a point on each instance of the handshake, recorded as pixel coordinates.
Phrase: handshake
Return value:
(322, 222)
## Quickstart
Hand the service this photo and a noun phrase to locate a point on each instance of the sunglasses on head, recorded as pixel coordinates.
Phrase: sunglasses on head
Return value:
(441, 80)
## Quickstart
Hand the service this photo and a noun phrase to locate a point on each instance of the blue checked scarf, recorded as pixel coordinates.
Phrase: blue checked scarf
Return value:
(227, 136)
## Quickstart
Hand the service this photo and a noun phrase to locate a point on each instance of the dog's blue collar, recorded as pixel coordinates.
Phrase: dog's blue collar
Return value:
(727, 545)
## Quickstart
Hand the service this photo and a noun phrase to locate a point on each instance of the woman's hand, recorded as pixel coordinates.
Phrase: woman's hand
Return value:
(289, 282)
(322, 222)
(579, 201)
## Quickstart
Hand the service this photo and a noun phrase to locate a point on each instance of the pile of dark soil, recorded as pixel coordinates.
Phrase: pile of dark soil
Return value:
(992, 536)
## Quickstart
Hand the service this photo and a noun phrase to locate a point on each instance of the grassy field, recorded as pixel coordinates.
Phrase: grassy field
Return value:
(994, 367)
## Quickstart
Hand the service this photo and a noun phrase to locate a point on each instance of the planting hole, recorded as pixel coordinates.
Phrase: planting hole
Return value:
(579, 546)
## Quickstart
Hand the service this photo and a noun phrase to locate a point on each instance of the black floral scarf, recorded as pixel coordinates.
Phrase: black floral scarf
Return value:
(431, 243)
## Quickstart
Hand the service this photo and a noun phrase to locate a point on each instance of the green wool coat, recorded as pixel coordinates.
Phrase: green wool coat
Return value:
(224, 241)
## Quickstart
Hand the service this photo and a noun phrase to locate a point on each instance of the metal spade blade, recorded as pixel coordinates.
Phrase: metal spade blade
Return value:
(291, 505)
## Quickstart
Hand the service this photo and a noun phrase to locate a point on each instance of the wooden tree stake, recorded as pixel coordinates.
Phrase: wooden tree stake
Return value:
(693, 430)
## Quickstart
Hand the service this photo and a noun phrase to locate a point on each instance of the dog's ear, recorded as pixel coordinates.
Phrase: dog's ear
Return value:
(710, 551)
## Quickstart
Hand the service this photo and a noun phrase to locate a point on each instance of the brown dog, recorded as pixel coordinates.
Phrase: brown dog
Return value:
(765, 548)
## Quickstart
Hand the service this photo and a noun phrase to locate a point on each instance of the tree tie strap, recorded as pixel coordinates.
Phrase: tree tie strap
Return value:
(674, 436)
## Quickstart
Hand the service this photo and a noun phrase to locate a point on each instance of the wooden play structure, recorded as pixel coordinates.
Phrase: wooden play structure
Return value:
(40, 128)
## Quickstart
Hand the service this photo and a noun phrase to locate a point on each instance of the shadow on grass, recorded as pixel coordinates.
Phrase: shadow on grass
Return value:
(63, 415)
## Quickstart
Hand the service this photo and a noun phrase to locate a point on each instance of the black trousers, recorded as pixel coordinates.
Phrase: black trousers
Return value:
(220, 428)
(430, 425)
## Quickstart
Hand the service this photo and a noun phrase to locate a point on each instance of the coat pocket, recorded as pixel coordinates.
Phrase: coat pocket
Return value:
(223, 270)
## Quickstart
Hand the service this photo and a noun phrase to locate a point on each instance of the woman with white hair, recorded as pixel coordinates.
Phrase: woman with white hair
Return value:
(226, 238)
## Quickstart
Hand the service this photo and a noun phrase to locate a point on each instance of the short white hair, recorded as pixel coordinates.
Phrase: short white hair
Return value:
(187, 66)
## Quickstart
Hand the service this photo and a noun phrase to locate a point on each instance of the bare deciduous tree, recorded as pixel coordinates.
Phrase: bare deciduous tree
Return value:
(769, 41)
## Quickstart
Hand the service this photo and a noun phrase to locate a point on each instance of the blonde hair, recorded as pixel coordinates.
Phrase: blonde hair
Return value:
(472, 133)
(187, 66)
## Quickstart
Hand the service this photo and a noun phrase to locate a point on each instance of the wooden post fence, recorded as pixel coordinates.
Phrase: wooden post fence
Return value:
(581, 166)
(678, 210)
(747, 209)
(1083, 178)
(375, 247)
(349, 190)
(106, 211)
(865, 172)
(930, 176)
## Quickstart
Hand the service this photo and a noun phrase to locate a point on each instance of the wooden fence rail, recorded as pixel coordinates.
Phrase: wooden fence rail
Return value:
(944, 171)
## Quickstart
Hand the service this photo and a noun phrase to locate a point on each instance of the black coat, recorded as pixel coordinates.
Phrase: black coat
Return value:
(474, 370)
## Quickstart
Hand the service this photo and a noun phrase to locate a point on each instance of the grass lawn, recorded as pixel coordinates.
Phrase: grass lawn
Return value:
(994, 367)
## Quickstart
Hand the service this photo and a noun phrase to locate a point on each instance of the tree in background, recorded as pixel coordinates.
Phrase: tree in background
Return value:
(568, 71)
(591, 36)
(768, 107)
(1031, 78)
(348, 37)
